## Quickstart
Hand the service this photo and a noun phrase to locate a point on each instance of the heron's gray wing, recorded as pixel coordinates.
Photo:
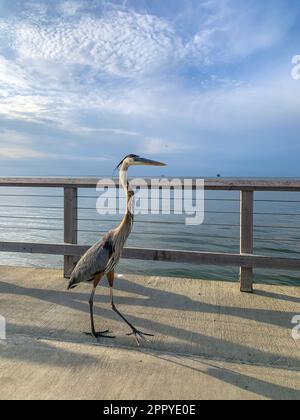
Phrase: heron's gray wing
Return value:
(94, 261)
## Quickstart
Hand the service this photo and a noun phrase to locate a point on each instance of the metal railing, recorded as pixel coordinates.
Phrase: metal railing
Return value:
(245, 259)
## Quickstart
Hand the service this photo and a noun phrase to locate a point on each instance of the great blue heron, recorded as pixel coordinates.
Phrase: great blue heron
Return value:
(102, 258)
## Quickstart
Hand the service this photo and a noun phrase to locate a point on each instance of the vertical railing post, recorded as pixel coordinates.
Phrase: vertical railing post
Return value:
(246, 247)
(70, 225)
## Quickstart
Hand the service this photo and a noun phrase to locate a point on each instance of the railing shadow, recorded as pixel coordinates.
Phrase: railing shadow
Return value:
(155, 298)
(277, 296)
(240, 380)
(185, 341)
(41, 352)
(50, 355)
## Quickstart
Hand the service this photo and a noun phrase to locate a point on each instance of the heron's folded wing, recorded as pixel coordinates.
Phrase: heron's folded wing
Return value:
(94, 261)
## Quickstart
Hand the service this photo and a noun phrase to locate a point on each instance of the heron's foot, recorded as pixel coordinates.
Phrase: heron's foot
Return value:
(140, 335)
(100, 334)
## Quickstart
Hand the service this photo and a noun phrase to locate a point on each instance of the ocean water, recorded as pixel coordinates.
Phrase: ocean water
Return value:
(36, 215)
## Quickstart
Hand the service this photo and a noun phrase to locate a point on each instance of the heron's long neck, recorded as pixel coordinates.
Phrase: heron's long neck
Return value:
(125, 227)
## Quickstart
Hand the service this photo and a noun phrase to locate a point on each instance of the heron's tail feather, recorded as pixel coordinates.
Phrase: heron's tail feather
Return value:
(73, 283)
(74, 278)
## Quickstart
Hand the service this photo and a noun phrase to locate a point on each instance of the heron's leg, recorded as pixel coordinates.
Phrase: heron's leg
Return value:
(137, 334)
(91, 303)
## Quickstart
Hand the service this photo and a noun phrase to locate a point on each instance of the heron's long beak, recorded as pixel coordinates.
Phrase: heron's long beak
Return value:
(148, 162)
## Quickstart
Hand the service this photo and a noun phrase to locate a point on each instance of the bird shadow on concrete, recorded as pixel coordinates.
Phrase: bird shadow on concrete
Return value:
(170, 300)
(154, 298)
(170, 337)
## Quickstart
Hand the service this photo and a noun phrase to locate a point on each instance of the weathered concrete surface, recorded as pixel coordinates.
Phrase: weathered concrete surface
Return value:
(211, 341)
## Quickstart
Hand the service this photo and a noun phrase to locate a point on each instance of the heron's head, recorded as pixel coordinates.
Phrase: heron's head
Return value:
(134, 160)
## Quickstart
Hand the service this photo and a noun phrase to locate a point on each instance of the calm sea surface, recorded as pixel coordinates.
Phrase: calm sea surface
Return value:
(36, 215)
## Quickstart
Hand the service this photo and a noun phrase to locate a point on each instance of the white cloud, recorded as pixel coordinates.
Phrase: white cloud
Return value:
(64, 64)
(17, 153)
(82, 72)
(16, 146)
(11, 76)
(120, 43)
(117, 131)
(232, 32)
(118, 62)
(27, 107)
(69, 7)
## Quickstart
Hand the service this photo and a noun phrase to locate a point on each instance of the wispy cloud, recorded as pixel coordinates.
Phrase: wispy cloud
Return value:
(15, 146)
(223, 31)
(105, 77)
(118, 61)
(121, 43)
(69, 7)
(19, 153)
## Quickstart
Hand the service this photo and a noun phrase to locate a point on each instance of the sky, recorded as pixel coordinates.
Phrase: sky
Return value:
(203, 85)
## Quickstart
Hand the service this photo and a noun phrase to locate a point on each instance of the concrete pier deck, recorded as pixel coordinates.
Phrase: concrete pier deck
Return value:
(211, 341)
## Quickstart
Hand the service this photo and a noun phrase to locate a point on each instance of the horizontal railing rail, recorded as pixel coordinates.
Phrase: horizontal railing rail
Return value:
(210, 183)
(188, 257)
(246, 259)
